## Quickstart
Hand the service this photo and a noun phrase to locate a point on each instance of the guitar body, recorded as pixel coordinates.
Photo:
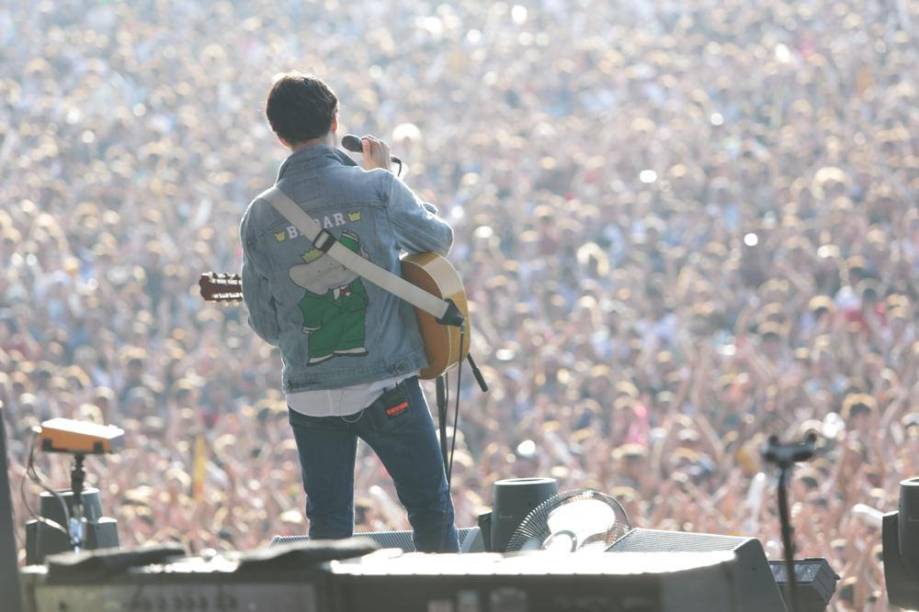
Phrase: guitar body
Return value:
(436, 275)
(429, 271)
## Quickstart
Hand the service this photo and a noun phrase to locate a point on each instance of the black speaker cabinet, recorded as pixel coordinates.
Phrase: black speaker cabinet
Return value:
(902, 581)
(43, 540)
(756, 589)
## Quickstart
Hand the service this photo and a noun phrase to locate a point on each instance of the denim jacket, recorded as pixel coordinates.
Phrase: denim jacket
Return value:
(335, 329)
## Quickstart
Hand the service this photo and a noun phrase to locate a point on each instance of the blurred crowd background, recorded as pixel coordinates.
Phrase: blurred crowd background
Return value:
(684, 226)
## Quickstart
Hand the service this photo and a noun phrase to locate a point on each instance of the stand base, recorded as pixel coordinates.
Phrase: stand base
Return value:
(43, 540)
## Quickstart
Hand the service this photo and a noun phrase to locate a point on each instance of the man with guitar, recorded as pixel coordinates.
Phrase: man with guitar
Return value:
(351, 351)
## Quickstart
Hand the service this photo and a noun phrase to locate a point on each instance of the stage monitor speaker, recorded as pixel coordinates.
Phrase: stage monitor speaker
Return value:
(756, 586)
(152, 578)
(470, 539)
(542, 581)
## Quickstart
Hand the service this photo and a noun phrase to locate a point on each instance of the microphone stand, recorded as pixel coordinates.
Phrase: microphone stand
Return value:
(784, 456)
(77, 527)
(441, 383)
(442, 407)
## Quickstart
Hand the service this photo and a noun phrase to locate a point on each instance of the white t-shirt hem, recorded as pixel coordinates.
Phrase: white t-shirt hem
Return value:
(345, 401)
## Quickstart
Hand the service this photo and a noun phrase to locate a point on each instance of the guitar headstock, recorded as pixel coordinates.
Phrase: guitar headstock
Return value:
(220, 287)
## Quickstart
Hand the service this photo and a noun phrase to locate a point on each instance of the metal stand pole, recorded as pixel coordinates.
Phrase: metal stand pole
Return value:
(10, 594)
(787, 539)
(76, 527)
(785, 456)
(442, 418)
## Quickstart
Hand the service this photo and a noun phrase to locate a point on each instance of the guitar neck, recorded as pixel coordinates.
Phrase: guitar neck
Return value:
(220, 287)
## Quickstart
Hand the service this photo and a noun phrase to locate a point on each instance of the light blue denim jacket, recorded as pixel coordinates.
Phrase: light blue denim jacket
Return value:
(334, 329)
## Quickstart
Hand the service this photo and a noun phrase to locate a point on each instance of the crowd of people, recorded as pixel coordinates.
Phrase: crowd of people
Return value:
(683, 227)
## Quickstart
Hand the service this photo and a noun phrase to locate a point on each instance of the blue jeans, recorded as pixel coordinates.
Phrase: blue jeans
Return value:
(399, 428)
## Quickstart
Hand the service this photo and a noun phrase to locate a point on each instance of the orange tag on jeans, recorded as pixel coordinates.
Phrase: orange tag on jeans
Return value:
(397, 409)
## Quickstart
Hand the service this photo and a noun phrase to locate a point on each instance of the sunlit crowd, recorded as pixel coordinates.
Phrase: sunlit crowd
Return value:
(683, 227)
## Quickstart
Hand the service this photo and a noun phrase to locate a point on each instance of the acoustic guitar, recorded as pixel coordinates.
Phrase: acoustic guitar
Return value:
(429, 271)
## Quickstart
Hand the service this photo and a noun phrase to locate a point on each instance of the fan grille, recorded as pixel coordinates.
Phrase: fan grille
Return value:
(535, 529)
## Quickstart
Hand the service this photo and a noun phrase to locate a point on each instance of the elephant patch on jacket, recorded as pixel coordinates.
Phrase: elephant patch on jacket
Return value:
(334, 306)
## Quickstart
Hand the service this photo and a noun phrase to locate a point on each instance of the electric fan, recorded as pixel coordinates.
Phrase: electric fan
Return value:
(573, 521)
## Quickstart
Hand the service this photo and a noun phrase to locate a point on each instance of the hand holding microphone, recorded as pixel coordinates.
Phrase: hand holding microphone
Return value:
(376, 152)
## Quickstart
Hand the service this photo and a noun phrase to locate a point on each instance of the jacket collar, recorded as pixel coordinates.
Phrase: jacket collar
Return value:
(315, 156)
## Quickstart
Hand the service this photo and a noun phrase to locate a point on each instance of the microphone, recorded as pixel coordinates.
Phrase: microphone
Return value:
(352, 143)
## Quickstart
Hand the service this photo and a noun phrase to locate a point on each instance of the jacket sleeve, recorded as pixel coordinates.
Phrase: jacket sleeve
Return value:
(263, 313)
(418, 229)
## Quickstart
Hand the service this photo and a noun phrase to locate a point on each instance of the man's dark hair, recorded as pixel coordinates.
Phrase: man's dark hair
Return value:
(300, 108)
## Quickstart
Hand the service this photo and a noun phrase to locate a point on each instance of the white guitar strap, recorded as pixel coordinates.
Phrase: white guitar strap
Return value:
(326, 242)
